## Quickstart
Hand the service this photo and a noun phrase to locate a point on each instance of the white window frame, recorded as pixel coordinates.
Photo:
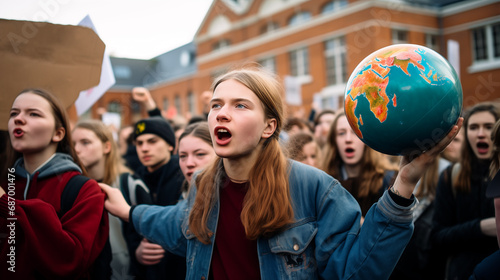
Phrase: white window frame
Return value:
(221, 44)
(491, 62)
(302, 64)
(335, 4)
(191, 102)
(395, 36)
(178, 104)
(268, 63)
(339, 52)
(270, 27)
(300, 18)
(430, 44)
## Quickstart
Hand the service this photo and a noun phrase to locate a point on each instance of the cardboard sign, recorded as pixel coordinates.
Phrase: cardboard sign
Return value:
(62, 59)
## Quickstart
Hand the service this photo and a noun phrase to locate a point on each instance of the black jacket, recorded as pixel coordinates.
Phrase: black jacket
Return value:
(164, 186)
(456, 231)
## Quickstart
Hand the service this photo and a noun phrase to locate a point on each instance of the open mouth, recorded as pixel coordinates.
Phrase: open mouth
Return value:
(482, 147)
(222, 135)
(18, 132)
(349, 152)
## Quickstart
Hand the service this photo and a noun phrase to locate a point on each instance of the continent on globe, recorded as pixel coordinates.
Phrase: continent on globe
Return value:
(403, 99)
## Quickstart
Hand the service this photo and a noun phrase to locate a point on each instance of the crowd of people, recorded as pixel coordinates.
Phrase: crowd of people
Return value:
(243, 192)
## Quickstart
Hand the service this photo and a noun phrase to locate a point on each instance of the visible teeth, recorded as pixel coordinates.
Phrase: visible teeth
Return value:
(221, 130)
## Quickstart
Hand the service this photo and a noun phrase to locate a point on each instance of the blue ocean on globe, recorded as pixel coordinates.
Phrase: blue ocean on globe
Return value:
(403, 99)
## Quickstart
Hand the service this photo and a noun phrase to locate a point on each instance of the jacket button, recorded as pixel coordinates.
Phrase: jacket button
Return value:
(296, 247)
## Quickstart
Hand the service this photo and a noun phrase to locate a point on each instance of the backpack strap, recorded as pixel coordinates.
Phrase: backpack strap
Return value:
(101, 268)
(70, 193)
(124, 186)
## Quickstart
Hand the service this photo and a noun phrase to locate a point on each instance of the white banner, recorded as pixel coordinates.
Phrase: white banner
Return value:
(454, 55)
(87, 98)
(293, 91)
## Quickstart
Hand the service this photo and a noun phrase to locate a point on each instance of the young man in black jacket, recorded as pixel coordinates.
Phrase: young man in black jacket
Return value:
(155, 142)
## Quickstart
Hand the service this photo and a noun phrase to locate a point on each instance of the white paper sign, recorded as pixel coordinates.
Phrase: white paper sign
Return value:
(113, 121)
(87, 98)
(454, 55)
(293, 93)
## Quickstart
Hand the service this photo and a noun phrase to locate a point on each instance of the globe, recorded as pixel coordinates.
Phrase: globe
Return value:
(403, 99)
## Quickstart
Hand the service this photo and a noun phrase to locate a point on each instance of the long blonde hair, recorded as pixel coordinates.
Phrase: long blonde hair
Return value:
(267, 206)
(373, 163)
(113, 164)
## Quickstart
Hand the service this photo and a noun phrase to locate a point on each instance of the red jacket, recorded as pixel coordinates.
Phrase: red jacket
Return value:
(46, 246)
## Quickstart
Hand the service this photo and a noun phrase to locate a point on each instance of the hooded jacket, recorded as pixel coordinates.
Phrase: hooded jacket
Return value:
(34, 241)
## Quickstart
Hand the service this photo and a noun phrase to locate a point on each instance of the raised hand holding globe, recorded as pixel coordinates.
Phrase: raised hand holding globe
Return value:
(403, 99)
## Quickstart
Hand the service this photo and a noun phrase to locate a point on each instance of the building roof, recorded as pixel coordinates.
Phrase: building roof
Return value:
(168, 66)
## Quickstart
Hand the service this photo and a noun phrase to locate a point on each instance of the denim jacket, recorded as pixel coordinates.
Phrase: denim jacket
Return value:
(325, 241)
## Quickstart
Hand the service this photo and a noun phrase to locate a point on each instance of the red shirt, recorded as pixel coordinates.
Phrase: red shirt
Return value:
(234, 256)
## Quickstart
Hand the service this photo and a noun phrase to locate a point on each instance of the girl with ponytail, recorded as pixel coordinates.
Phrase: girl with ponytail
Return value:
(253, 214)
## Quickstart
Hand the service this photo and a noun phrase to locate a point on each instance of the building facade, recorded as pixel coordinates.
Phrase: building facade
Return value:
(313, 46)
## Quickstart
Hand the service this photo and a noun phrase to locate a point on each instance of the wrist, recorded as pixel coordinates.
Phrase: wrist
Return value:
(150, 104)
(125, 215)
(402, 189)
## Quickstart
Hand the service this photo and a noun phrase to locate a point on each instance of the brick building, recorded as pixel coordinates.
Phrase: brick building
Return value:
(319, 42)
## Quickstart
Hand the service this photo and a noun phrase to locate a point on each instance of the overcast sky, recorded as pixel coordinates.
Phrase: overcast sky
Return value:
(129, 28)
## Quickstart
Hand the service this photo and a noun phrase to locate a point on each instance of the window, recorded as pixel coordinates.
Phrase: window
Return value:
(122, 72)
(115, 107)
(299, 18)
(178, 104)
(165, 103)
(135, 107)
(221, 44)
(238, 6)
(486, 41)
(299, 62)
(336, 64)
(480, 47)
(268, 63)
(333, 6)
(269, 27)
(399, 36)
(431, 41)
(191, 102)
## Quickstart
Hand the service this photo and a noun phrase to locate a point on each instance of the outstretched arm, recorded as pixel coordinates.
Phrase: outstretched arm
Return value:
(115, 202)
(413, 167)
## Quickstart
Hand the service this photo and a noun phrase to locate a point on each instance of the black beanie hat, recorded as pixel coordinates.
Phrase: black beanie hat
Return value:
(158, 126)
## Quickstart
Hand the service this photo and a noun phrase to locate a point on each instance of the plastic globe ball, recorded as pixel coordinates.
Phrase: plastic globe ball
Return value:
(403, 99)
